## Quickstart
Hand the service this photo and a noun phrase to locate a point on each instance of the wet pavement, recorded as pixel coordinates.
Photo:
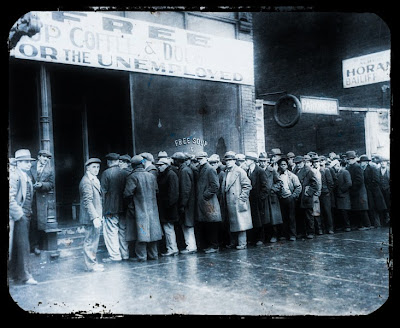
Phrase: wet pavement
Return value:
(344, 274)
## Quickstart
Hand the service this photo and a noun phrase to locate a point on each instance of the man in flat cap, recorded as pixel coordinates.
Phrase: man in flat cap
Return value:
(112, 185)
(125, 163)
(143, 222)
(326, 196)
(358, 193)
(187, 201)
(20, 211)
(43, 186)
(148, 160)
(241, 161)
(291, 164)
(91, 213)
(208, 209)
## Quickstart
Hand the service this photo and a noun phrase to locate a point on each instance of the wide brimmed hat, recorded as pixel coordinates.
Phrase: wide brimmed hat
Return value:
(263, 156)
(240, 157)
(92, 161)
(202, 154)
(23, 155)
(307, 158)
(351, 154)
(214, 158)
(44, 152)
(230, 155)
(162, 154)
(276, 151)
(112, 156)
(137, 159)
(251, 155)
(298, 159)
(364, 158)
(163, 161)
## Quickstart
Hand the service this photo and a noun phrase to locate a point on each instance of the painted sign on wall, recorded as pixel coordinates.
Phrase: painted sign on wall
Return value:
(107, 41)
(372, 68)
(318, 105)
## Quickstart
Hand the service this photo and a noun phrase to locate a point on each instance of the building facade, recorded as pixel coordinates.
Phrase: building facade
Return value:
(91, 83)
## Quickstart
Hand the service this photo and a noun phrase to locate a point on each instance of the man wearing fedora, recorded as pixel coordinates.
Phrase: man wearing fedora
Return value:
(43, 183)
(112, 186)
(91, 213)
(20, 212)
(276, 155)
(208, 208)
(376, 201)
(358, 193)
(235, 190)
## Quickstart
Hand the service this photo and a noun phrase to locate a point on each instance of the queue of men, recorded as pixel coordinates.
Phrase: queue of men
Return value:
(184, 203)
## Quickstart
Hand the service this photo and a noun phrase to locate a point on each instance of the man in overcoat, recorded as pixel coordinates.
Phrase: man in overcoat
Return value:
(325, 198)
(143, 222)
(235, 191)
(113, 183)
(376, 201)
(358, 192)
(20, 210)
(91, 213)
(148, 161)
(310, 190)
(167, 202)
(384, 183)
(43, 185)
(342, 196)
(208, 209)
(187, 202)
(257, 197)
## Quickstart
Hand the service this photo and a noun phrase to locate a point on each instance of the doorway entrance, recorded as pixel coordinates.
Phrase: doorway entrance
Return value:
(91, 118)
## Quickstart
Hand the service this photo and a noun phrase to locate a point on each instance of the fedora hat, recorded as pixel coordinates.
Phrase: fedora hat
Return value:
(263, 156)
(137, 159)
(351, 154)
(240, 157)
(290, 155)
(276, 151)
(214, 158)
(307, 157)
(251, 155)
(364, 158)
(162, 154)
(23, 155)
(92, 160)
(298, 159)
(44, 152)
(230, 155)
(202, 154)
(163, 161)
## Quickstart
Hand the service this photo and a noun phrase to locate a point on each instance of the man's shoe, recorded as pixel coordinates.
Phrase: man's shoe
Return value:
(330, 232)
(211, 250)
(31, 281)
(188, 251)
(170, 253)
(292, 238)
(230, 246)
(320, 232)
(241, 247)
(259, 243)
(273, 240)
(362, 228)
(347, 229)
(310, 236)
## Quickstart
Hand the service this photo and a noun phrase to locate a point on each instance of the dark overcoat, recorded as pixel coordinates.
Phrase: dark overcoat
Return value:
(187, 195)
(272, 209)
(168, 196)
(358, 192)
(142, 219)
(341, 190)
(384, 183)
(112, 185)
(376, 201)
(334, 178)
(40, 203)
(207, 186)
(258, 195)
(310, 187)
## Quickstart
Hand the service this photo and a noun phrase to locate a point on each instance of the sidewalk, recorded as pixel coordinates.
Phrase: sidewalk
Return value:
(345, 274)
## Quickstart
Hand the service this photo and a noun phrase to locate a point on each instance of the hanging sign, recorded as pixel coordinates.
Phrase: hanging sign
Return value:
(369, 69)
(318, 105)
(112, 42)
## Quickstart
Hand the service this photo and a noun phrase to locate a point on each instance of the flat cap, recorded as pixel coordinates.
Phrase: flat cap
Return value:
(202, 154)
(322, 158)
(137, 159)
(307, 157)
(125, 158)
(44, 152)
(92, 161)
(315, 158)
(214, 158)
(179, 155)
(290, 155)
(112, 156)
(147, 156)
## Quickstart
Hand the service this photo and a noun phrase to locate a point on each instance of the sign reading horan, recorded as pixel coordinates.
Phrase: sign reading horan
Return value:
(113, 42)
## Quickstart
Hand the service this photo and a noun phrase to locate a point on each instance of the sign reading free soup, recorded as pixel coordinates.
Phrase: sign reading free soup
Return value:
(107, 41)
(372, 68)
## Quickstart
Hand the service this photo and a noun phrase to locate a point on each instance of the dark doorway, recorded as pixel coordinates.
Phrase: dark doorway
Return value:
(91, 118)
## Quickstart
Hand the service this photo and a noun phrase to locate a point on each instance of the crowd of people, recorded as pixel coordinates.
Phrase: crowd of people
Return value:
(184, 203)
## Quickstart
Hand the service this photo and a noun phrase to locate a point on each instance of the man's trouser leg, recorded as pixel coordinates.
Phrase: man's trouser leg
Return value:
(123, 244)
(111, 238)
(90, 246)
(170, 237)
(190, 239)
